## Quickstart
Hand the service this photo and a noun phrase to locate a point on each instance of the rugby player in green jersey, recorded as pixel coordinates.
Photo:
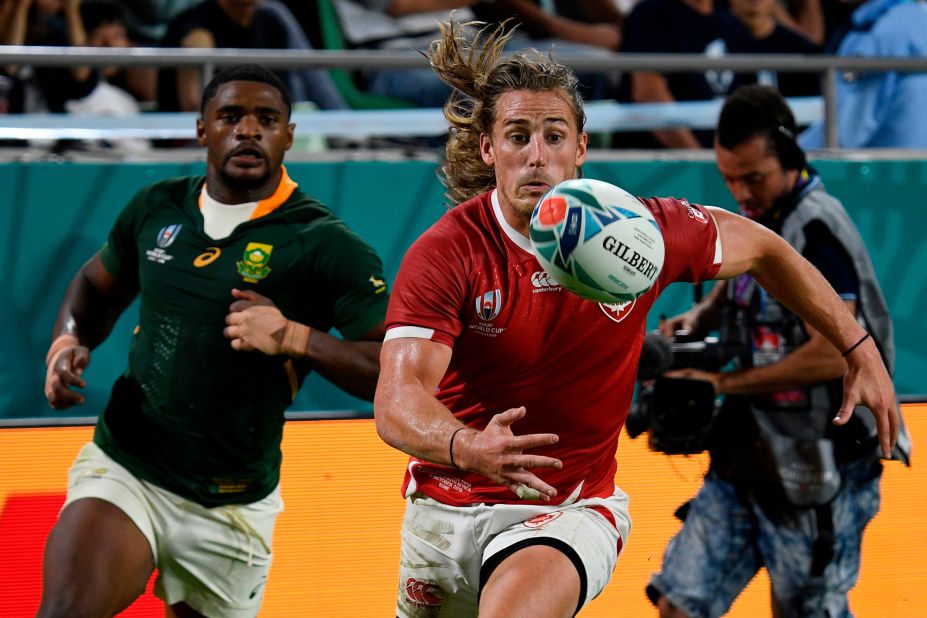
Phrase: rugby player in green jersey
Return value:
(240, 277)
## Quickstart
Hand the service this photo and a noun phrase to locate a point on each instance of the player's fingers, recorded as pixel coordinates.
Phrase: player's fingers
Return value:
(241, 294)
(846, 409)
(60, 397)
(524, 492)
(529, 481)
(895, 424)
(69, 378)
(240, 305)
(533, 440)
(532, 461)
(508, 417)
(80, 360)
(63, 372)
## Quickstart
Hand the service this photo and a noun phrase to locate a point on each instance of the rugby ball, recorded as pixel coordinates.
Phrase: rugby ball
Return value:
(597, 240)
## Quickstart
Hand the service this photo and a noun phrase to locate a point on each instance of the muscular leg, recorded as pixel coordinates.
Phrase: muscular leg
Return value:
(97, 562)
(538, 581)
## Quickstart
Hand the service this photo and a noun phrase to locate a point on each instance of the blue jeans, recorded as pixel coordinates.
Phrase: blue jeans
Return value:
(727, 537)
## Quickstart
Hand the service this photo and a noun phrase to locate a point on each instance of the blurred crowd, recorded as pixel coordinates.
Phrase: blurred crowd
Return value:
(877, 109)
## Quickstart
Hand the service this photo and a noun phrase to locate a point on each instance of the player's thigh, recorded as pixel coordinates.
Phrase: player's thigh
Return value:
(97, 556)
(216, 560)
(564, 557)
(713, 556)
(537, 580)
(440, 560)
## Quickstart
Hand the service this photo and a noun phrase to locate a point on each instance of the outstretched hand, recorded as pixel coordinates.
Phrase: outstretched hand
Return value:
(66, 364)
(498, 454)
(867, 383)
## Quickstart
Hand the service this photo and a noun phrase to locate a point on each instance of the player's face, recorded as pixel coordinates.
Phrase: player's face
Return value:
(246, 133)
(534, 144)
(754, 175)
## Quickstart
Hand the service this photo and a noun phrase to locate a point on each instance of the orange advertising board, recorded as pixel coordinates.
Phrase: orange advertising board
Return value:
(337, 542)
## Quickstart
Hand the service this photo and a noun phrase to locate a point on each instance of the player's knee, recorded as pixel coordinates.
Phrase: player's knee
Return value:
(67, 604)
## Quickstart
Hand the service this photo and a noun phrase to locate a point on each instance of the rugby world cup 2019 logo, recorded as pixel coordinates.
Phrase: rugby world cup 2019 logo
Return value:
(489, 305)
(168, 235)
(253, 265)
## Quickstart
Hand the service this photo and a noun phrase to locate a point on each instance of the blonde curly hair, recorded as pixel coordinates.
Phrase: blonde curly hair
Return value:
(468, 57)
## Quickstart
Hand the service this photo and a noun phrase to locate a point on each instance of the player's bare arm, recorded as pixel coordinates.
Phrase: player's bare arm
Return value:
(411, 419)
(92, 303)
(255, 323)
(749, 247)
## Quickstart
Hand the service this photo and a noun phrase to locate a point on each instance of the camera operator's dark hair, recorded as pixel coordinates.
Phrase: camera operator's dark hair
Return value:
(245, 73)
(760, 111)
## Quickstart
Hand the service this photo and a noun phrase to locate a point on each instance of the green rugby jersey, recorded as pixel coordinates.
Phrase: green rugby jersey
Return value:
(191, 414)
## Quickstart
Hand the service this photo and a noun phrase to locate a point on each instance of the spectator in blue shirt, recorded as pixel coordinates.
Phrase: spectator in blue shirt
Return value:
(881, 110)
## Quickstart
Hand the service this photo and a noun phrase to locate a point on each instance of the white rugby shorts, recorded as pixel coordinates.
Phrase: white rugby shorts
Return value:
(449, 551)
(215, 560)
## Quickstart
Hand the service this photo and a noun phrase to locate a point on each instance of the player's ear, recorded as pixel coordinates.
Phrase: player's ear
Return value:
(201, 132)
(290, 129)
(581, 148)
(486, 150)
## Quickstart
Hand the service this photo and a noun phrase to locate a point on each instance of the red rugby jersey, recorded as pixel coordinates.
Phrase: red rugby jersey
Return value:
(519, 339)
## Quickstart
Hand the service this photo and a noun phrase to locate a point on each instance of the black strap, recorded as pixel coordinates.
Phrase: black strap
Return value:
(823, 548)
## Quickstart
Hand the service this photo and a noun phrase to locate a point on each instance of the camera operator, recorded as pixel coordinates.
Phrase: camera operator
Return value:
(787, 488)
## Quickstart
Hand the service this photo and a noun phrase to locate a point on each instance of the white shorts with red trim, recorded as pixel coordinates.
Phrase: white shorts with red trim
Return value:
(446, 550)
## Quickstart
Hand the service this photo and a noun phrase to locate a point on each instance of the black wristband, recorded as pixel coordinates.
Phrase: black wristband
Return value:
(450, 448)
(857, 344)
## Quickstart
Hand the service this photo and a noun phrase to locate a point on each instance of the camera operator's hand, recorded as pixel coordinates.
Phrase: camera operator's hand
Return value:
(687, 321)
(690, 373)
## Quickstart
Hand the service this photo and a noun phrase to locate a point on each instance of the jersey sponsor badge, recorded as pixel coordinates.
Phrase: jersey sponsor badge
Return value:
(207, 257)
(542, 520)
(253, 265)
(423, 594)
(543, 282)
(693, 212)
(616, 312)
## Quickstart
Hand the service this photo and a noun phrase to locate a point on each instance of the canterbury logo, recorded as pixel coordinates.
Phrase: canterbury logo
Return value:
(541, 279)
(423, 595)
(207, 257)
